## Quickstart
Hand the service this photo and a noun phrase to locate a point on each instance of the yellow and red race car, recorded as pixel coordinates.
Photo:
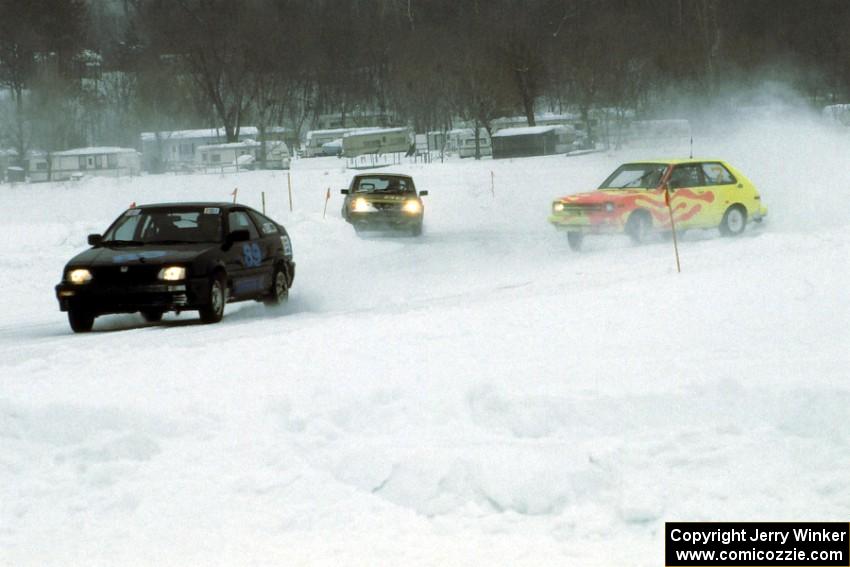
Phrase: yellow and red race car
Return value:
(702, 193)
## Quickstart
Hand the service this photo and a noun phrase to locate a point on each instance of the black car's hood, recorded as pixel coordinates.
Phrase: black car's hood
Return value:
(148, 254)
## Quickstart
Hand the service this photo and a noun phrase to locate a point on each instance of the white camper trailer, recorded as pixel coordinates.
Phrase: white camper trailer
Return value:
(317, 138)
(466, 143)
(377, 141)
(243, 155)
(100, 161)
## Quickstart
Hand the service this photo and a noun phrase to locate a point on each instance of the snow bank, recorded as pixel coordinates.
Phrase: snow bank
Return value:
(480, 395)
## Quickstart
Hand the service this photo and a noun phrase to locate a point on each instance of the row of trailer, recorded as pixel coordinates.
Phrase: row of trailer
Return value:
(354, 142)
(463, 142)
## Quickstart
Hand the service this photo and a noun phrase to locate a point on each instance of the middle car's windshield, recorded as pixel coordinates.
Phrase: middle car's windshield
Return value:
(635, 176)
(151, 226)
(383, 184)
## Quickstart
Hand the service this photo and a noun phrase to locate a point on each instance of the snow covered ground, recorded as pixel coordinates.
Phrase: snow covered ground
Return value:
(480, 395)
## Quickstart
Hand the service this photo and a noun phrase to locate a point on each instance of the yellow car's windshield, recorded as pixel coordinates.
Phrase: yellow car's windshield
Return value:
(635, 176)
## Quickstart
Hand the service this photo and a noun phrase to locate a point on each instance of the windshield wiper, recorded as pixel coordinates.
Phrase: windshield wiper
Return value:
(169, 241)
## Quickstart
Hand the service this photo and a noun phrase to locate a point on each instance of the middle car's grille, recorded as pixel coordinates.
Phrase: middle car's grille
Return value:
(387, 206)
(135, 274)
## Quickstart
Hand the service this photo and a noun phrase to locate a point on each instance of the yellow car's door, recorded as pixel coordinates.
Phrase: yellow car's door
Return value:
(691, 199)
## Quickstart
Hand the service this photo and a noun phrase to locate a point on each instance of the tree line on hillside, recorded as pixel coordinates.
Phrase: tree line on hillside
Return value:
(98, 72)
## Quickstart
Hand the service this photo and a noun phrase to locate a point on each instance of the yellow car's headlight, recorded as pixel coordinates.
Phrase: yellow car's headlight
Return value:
(79, 276)
(172, 273)
(361, 205)
(412, 206)
(558, 207)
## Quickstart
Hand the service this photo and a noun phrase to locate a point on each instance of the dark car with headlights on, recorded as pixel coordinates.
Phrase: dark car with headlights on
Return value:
(178, 257)
(384, 202)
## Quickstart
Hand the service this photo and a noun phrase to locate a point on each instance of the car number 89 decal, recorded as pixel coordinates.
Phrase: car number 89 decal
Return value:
(252, 256)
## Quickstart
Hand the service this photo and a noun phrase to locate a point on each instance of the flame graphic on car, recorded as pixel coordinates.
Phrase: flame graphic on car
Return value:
(591, 207)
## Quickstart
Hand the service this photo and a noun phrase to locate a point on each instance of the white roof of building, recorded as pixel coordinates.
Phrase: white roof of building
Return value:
(95, 151)
(525, 131)
(341, 131)
(329, 132)
(364, 131)
(538, 117)
(197, 134)
(231, 145)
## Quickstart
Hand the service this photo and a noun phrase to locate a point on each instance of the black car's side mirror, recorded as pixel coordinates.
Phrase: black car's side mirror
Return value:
(423, 193)
(95, 239)
(344, 191)
(236, 236)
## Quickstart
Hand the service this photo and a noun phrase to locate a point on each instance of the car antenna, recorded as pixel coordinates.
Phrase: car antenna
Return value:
(691, 132)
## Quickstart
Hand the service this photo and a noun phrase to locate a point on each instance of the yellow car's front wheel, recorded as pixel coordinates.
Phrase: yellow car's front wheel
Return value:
(639, 226)
(574, 239)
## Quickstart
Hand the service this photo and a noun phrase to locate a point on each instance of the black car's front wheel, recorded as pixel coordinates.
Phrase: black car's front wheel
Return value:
(152, 315)
(280, 289)
(213, 311)
(81, 321)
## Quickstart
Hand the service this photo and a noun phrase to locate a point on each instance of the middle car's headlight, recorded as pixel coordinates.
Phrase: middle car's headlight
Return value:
(172, 273)
(412, 207)
(361, 205)
(609, 207)
(558, 207)
(79, 276)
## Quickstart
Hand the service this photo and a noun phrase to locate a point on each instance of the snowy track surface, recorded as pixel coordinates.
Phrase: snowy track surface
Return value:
(480, 395)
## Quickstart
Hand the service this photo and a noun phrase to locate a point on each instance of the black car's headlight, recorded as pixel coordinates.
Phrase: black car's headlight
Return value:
(172, 273)
(79, 276)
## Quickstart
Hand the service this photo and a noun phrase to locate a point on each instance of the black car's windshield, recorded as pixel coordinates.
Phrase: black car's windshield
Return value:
(165, 226)
(635, 176)
(383, 184)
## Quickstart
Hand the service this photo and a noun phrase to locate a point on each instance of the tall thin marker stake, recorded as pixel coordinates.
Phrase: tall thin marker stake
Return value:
(672, 226)
(263, 195)
(327, 198)
(235, 191)
(493, 184)
(289, 184)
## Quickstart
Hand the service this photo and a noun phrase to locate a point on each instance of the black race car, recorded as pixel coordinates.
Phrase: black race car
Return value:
(178, 257)
(379, 201)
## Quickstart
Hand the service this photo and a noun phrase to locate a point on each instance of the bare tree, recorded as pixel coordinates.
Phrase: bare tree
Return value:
(211, 39)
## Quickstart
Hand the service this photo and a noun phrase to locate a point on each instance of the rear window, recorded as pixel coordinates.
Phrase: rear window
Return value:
(717, 174)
